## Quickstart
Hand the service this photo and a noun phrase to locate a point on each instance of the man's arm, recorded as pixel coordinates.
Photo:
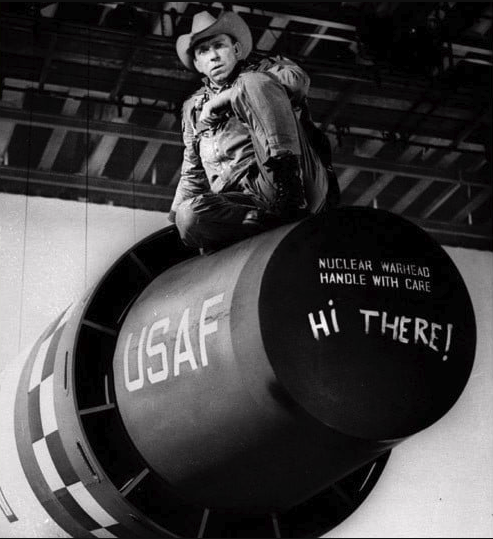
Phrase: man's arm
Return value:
(294, 79)
(193, 180)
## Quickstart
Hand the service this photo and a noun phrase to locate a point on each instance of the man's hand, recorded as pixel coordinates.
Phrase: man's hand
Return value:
(213, 110)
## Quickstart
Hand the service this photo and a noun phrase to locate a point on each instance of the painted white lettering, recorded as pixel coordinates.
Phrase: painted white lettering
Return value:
(367, 315)
(346, 278)
(133, 385)
(403, 329)
(447, 344)
(183, 336)
(333, 317)
(416, 284)
(323, 325)
(157, 349)
(394, 327)
(385, 280)
(419, 326)
(433, 336)
(207, 329)
(405, 269)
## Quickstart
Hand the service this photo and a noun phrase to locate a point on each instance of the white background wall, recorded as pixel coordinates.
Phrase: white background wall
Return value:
(437, 484)
(51, 251)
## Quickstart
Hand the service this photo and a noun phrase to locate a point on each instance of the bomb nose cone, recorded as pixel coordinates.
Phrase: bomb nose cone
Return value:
(367, 324)
(293, 356)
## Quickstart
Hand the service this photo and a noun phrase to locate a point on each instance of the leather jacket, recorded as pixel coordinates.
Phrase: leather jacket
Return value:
(222, 158)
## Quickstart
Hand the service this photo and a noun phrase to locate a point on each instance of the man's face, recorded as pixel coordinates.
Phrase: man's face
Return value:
(216, 57)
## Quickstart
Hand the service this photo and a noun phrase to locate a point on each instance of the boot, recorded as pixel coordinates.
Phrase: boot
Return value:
(290, 202)
(261, 220)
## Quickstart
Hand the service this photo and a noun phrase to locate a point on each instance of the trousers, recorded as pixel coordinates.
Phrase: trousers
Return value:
(213, 220)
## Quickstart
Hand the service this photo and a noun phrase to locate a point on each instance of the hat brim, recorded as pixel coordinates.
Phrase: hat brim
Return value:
(228, 23)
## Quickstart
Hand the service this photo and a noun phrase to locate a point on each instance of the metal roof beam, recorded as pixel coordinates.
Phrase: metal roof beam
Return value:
(98, 62)
(165, 24)
(151, 150)
(6, 132)
(318, 93)
(176, 177)
(101, 127)
(404, 202)
(448, 160)
(95, 127)
(55, 142)
(378, 186)
(102, 17)
(411, 171)
(344, 97)
(459, 49)
(170, 72)
(423, 141)
(475, 202)
(124, 71)
(312, 42)
(160, 197)
(452, 156)
(470, 127)
(269, 38)
(298, 18)
(439, 200)
(95, 163)
(55, 180)
(445, 232)
(369, 148)
(14, 99)
(396, 104)
(47, 61)
(483, 24)
(145, 160)
(478, 165)
(374, 190)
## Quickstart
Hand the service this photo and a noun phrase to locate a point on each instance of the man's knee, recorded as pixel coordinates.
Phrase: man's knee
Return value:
(255, 79)
(186, 220)
(254, 83)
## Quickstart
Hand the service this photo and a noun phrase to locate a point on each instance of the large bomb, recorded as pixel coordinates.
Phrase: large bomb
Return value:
(259, 375)
(255, 392)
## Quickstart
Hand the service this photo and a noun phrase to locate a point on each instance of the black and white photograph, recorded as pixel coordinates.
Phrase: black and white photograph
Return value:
(246, 269)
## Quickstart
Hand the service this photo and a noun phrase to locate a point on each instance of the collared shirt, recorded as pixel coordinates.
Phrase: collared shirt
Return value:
(218, 159)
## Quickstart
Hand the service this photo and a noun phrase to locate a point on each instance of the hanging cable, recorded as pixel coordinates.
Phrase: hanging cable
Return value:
(86, 220)
(29, 95)
(134, 208)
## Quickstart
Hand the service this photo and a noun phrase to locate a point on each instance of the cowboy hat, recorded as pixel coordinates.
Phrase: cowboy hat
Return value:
(204, 25)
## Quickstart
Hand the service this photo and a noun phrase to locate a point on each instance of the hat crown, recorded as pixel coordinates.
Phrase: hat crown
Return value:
(201, 21)
(205, 25)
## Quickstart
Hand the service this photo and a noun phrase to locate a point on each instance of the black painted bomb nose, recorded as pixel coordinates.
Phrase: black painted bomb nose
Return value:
(379, 331)
(255, 377)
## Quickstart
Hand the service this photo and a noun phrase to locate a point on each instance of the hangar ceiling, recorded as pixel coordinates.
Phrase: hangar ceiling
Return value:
(91, 95)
